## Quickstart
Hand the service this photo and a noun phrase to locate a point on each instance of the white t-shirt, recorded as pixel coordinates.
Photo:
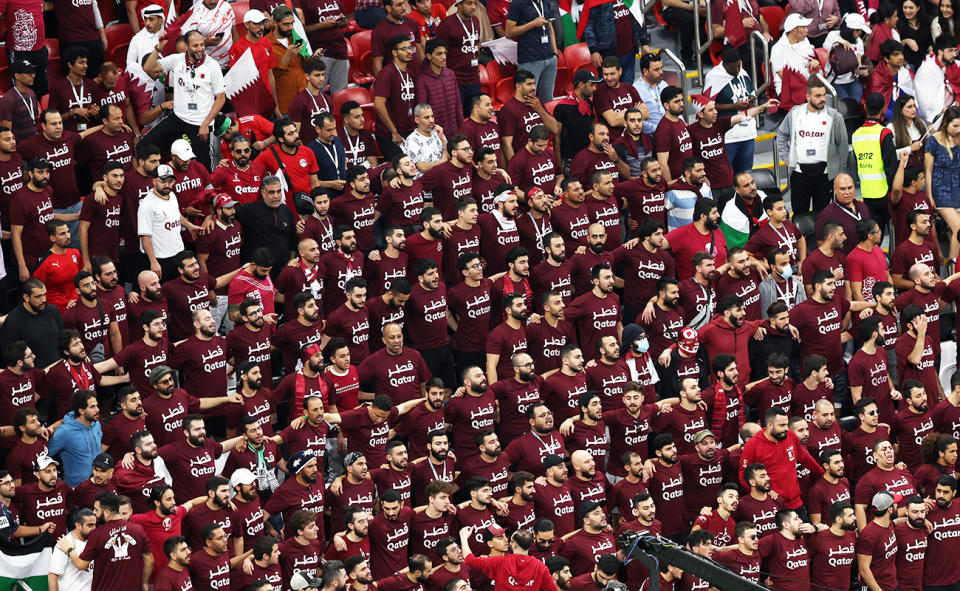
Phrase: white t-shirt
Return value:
(811, 131)
(423, 149)
(71, 579)
(159, 219)
(193, 95)
(221, 19)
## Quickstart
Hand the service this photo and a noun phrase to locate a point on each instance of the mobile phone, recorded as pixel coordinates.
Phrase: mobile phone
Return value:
(219, 35)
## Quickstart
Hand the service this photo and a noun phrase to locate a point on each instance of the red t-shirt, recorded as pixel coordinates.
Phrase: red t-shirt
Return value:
(57, 272)
(867, 268)
(687, 240)
(299, 167)
(158, 529)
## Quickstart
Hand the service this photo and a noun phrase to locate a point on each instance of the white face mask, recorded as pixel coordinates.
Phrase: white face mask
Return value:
(786, 272)
(641, 345)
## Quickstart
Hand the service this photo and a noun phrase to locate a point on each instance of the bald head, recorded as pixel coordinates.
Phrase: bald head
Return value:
(823, 405)
(843, 189)
(579, 458)
(918, 269)
(748, 430)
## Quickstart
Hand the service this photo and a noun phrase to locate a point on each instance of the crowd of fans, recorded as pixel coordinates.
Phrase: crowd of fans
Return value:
(440, 342)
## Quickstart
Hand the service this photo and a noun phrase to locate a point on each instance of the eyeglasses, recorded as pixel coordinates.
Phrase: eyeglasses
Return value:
(238, 151)
(475, 266)
(408, 49)
(872, 413)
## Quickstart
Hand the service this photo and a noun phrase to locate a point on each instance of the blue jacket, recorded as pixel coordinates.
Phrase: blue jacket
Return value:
(600, 34)
(77, 445)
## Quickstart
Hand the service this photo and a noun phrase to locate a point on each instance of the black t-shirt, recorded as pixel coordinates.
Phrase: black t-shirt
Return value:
(40, 331)
(272, 228)
(575, 128)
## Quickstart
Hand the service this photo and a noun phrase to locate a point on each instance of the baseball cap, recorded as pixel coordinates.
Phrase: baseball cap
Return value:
(152, 10)
(163, 171)
(552, 460)
(300, 459)
(492, 531)
(254, 16)
(884, 500)
(300, 581)
(352, 458)
(104, 461)
(855, 21)
(23, 67)
(703, 434)
(242, 476)
(586, 75)
(795, 20)
(43, 461)
(587, 506)
(223, 200)
(182, 149)
(160, 371)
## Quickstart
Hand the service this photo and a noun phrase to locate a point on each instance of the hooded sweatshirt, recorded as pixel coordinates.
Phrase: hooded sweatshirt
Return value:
(513, 572)
(77, 445)
(781, 459)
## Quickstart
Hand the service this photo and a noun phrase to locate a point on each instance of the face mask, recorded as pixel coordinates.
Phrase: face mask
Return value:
(641, 345)
(786, 272)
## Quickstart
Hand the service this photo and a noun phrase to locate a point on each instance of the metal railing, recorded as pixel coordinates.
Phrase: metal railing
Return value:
(767, 75)
(668, 56)
(701, 48)
(831, 91)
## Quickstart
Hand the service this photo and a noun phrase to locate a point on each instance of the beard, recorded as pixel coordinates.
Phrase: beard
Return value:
(853, 526)
(478, 388)
(315, 367)
(153, 295)
(434, 233)
(780, 436)
(526, 376)
(710, 224)
(76, 358)
(163, 190)
(168, 510)
(558, 258)
(597, 247)
(222, 503)
(439, 455)
(207, 332)
(90, 297)
(255, 384)
(197, 441)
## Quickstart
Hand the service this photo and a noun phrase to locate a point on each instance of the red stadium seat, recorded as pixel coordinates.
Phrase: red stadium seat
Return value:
(714, 52)
(361, 42)
(575, 56)
(240, 9)
(503, 91)
(484, 81)
(363, 73)
(54, 69)
(117, 35)
(774, 16)
(351, 93)
(822, 56)
(563, 84)
(118, 55)
(44, 102)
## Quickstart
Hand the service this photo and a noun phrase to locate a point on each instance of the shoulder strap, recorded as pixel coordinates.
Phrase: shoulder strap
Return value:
(283, 168)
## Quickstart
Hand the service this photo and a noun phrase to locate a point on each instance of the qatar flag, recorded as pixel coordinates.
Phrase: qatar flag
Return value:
(793, 89)
(733, 25)
(246, 91)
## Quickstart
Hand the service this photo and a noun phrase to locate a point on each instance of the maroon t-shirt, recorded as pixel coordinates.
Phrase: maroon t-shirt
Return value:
(397, 88)
(98, 147)
(516, 120)
(191, 466)
(562, 394)
(513, 400)
(403, 205)
(103, 237)
(832, 557)
(400, 375)
(606, 212)
(204, 366)
(354, 327)
(594, 318)
(483, 135)
(506, 342)
(21, 458)
(628, 433)
(666, 488)
(222, 247)
(823, 494)
(880, 543)
(674, 138)
(817, 261)
(765, 394)
(426, 531)
(209, 573)
(61, 383)
(618, 99)
(292, 337)
(448, 184)
(702, 479)
(858, 444)
(117, 432)
(739, 563)
(909, 560)
(787, 561)
(388, 543)
(495, 242)
(819, 328)
(171, 580)
(33, 211)
(483, 189)
(642, 270)
(460, 241)
(556, 504)
(768, 238)
(897, 481)
(471, 307)
(572, 223)
(548, 277)
(296, 557)
(925, 372)
(683, 425)
(61, 154)
(910, 428)
(469, 414)
(12, 178)
(586, 162)
(199, 515)
(415, 426)
(583, 549)
(544, 343)
(940, 565)
(292, 496)
(643, 200)
(183, 299)
(527, 451)
(309, 437)
(427, 317)
(304, 107)
(358, 214)
(529, 170)
(870, 372)
(93, 324)
(38, 506)
(462, 39)
(759, 512)
(165, 415)
(120, 545)
(244, 344)
(360, 495)
(899, 210)
(710, 145)
(608, 380)
(747, 288)
(336, 269)
(250, 517)
(366, 437)
(381, 274)
(390, 479)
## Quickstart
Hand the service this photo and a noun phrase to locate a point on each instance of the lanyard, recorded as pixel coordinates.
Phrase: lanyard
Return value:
(538, 6)
(541, 230)
(445, 477)
(334, 157)
(28, 105)
(354, 146)
(405, 79)
(326, 228)
(785, 296)
(76, 95)
(316, 105)
(550, 447)
(471, 33)
(854, 214)
(786, 239)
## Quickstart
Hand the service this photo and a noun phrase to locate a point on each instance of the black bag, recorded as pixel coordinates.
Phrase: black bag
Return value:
(842, 61)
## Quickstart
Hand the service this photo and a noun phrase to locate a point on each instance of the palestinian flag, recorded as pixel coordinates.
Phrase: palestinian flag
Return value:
(735, 224)
(246, 90)
(29, 564)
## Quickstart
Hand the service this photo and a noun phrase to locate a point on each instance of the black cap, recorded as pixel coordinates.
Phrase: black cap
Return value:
(104, 461)
(23, 67)
(587, 506)
(552, 460)
(586, 75)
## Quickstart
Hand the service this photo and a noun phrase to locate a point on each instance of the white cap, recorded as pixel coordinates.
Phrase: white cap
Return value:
(795, 20)
(254, 16)
(855, 21)
(164, 171)
(182, 150)
(242, 476)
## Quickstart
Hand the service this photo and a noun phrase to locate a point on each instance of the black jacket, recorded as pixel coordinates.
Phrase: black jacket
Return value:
(272, 228)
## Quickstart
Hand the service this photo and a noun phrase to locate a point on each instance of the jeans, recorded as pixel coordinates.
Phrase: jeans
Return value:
(220, 316)
(545, 73)
(682, 20)
(368, 18)
(336, 73)
(740, 155)
(171, 128)
(852, 90)
(629, 64)
(841, 393)
(74, 225)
